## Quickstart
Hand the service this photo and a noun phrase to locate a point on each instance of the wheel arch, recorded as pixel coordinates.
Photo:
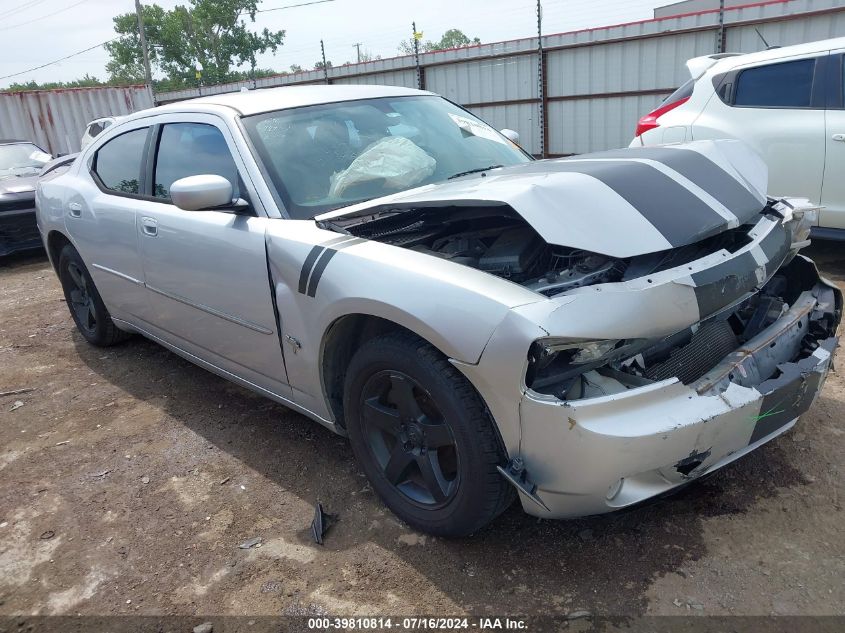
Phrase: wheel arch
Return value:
(56, 241)
(344, 336)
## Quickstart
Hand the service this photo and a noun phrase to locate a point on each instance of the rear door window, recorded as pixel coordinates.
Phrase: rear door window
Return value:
(783, 85)
(117, 164)
(192, 149)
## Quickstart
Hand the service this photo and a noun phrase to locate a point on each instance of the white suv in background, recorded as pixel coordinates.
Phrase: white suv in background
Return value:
(787, 103)
(95, 128)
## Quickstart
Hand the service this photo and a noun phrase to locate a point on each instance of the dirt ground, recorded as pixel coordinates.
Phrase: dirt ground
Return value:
(128, 478)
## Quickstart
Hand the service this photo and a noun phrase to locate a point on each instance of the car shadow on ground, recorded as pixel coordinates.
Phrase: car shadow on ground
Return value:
(518, 564)
(17, 260)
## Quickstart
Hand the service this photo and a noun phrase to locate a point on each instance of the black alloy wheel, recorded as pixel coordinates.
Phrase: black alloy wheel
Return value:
(84, 302)
(423, 437)
(409, 438)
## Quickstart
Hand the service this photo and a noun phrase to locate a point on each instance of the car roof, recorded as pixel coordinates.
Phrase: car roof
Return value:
(12, 141)
(778, 52)
(267, 99)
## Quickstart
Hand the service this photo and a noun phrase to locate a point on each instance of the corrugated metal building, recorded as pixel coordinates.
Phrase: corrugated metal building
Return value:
(691, 6)
(56, 119)
(598, 82)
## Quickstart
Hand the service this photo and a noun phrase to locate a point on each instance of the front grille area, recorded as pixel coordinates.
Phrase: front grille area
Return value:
(17, 205)
(18, 228)
(709, 345)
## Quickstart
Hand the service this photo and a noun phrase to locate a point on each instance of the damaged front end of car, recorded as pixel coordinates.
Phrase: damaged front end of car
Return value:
(676, 327)
(606, 422)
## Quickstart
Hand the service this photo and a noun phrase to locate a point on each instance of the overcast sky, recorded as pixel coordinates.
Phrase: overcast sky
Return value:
(34, 32)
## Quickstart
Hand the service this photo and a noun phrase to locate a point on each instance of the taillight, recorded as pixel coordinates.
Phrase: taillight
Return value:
(649, 121)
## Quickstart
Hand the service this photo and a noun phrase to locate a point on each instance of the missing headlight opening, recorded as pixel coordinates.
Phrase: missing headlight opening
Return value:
(729, 347)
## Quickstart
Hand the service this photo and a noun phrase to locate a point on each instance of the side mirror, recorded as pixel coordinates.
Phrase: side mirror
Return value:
(511, 135)
(198, 193)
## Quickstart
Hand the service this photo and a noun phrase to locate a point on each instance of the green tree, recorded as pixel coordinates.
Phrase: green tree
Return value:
(453, 38)
(212, 33)
(319, 64)
(295, 68)
(85, 82)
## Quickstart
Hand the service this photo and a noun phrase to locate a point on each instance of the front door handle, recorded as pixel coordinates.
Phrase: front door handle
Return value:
(838, 137)
(149, 226)
(75, 209)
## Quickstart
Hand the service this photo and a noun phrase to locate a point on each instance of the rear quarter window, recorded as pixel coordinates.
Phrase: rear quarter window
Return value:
(781, 85)
(117, 164)
(684, 92)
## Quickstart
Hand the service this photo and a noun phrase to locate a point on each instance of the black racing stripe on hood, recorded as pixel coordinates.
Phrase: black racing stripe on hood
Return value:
(703, 172)
(731, 280)
(725, 284)
(775, 244)
(677, 213)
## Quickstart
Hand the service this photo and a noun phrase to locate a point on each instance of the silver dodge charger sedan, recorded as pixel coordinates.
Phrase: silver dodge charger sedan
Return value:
(582, 333)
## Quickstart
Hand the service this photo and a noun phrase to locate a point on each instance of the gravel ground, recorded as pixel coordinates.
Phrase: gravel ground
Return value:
(129, 477)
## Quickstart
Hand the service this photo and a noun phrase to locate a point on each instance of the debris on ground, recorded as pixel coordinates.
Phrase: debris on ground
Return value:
(16, 392)
(100, 474)
(205, 627)
(578, 615)
(46, 536)
(250, 543)
(225, 480)
(145, 480)
(18, 404)
(321, 523)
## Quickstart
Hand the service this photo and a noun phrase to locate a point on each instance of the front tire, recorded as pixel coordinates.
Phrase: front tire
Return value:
(423, 437)
(84, 302)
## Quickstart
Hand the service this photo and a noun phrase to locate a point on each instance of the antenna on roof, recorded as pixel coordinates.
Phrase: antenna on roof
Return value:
(760, 35)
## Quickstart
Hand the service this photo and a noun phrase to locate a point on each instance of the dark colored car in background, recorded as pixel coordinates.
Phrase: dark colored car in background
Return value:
(20, 164)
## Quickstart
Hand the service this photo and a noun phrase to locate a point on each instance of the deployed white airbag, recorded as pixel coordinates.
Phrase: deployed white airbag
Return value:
(398, 160)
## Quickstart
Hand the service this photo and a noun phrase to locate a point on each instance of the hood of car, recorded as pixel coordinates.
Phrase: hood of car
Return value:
(17, 186)
(619, 203)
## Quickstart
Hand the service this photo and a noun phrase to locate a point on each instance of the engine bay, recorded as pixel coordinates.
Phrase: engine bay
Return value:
(498, 241)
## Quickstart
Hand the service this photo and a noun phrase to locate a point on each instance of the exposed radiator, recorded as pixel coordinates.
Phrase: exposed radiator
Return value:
(709, 345)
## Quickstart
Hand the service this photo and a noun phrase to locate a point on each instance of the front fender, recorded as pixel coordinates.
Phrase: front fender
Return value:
(454, 307)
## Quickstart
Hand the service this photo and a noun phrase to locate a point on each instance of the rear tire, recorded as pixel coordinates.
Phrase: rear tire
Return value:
(423, 437)
(84, 302)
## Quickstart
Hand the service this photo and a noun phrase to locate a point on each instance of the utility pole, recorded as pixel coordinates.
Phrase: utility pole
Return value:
(416, 37)
(148, 76)
(720, 34)
(541, 80)
(325, 67)
(357, 45)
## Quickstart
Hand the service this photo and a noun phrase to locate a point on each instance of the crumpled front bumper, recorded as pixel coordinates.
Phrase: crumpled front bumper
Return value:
(18, 229)
(600, 454)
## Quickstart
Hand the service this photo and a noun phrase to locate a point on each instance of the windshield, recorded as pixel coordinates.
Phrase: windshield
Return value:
(323, 157)
(21, 159)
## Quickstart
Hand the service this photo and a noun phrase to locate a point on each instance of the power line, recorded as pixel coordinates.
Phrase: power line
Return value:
(29, 70)
(293, 6)
(21, 7)
(49, 15)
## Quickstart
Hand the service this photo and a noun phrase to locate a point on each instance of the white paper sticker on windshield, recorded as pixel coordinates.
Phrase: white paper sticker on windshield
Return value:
(477, 128)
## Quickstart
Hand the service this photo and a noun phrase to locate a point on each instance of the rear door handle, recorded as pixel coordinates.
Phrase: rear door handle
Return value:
(838, 137)
(75, 209)
(149, 226)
